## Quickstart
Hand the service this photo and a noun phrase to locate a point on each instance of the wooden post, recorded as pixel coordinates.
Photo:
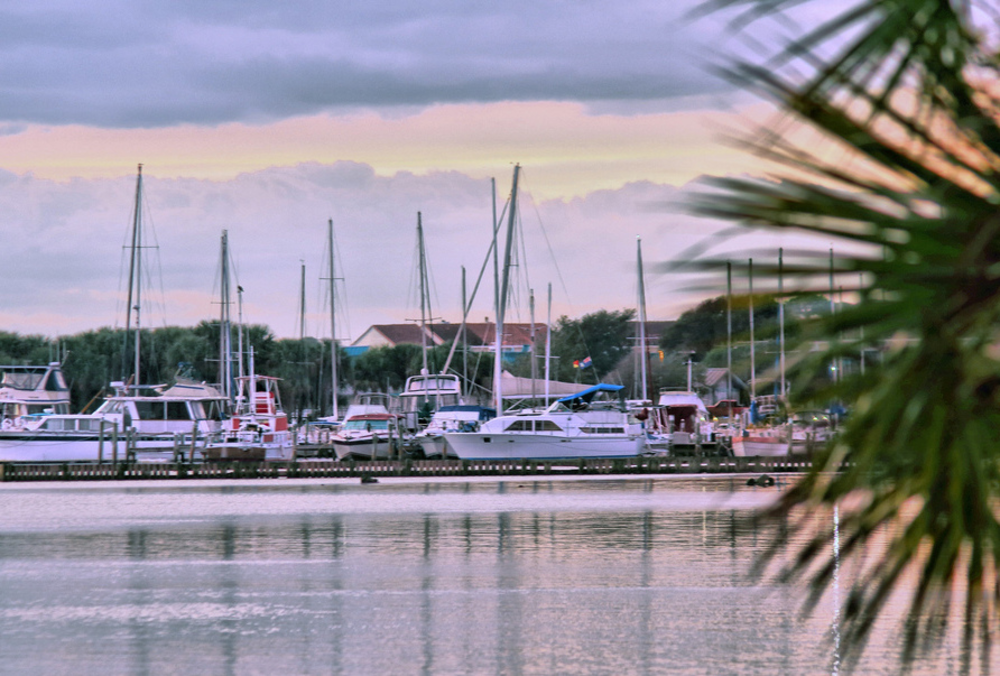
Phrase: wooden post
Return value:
(114, 446)
(100, 443)
(194, 439)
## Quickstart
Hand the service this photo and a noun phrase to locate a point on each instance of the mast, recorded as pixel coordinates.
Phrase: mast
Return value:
(302, 303)
(497, 365)
(753, 363)
(781, 321)
(424, 302)
(461, 334)
(134, 282)
(534, 362)
(642, 322)
(505, 285)
(333, 323)
(729, 338)
(225, 328)
(239, 330)
(548, 343)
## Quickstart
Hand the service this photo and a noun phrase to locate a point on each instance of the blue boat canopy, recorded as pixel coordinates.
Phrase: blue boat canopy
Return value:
(588, 394)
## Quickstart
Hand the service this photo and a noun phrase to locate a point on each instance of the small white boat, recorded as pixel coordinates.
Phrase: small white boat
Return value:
(368, 436)
(450, 419)
(578, 426)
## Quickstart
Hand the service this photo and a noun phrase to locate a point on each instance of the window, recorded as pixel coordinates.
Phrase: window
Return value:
(149, 410)
(177, 410)
(519, 426)
(546, 426)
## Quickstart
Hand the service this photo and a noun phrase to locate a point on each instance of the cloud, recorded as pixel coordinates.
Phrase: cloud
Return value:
(64, 265)
(163, 63)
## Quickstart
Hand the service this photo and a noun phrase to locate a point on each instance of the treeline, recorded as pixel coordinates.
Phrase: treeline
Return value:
(94, 359)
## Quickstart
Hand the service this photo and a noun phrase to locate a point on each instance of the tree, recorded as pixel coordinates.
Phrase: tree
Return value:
(903, 89)
(603, 336)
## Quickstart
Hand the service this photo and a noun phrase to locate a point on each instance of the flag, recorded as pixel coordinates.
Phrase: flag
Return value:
(576, 363)
(585, 363)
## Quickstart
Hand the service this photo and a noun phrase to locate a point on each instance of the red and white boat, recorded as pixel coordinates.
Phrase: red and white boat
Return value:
(258, 429)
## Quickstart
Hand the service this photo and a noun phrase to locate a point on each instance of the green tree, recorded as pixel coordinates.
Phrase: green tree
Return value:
(903, 90)
(604, 336)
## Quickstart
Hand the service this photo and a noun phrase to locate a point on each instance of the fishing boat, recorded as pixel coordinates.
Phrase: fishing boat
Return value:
(368, 436)
(583, 425)
(450, 419)
(426, 393)
(258, 429)
(684, 414)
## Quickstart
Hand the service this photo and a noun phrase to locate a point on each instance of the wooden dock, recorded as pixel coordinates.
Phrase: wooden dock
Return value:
(399, 468)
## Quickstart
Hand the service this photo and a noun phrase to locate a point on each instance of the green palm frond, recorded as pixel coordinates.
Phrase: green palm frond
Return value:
(916, 202)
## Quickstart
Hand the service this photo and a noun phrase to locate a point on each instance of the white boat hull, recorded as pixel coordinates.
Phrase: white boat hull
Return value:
(485, 446)
(363, 449)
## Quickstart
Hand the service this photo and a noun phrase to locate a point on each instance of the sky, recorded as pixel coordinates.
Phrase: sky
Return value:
(268, 119)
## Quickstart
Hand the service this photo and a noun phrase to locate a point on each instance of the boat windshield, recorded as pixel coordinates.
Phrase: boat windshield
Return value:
(366, 425)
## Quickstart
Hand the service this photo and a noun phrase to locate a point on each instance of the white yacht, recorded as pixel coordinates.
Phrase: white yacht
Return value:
(28, 390)
(581, 425)
(450, 419)
(424, 394)
(368, 436)
(158, 412)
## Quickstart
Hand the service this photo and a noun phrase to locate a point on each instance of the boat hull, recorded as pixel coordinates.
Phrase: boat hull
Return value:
(512, 446)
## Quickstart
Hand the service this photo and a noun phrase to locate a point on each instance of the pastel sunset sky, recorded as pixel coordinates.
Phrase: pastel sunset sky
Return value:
(267, 119)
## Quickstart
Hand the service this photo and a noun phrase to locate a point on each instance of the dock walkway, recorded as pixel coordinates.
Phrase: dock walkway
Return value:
(398, 468)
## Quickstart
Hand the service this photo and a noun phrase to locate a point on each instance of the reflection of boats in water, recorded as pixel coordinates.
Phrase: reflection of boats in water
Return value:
(804, 433)
(450, 419)
(578, 426)
(368, 436)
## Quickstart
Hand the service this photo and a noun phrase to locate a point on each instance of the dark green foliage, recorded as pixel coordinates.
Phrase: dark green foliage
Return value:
(914, 191)
(604, 336)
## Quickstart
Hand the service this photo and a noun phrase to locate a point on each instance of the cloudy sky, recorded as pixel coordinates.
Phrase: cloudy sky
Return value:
(267, 119)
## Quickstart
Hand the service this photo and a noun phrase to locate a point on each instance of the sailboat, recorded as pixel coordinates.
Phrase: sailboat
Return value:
(427, 392)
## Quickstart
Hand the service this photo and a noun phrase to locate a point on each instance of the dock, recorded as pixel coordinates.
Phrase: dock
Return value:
(399, 468)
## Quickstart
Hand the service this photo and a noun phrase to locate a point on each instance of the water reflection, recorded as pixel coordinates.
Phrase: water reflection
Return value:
(629, 577)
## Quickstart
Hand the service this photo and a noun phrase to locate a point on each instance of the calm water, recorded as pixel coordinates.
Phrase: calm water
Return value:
(402, 577)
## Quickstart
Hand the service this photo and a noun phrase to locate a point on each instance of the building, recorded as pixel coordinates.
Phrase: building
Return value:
(480, 337)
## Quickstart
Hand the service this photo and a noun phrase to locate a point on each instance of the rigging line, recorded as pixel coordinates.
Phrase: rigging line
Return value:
(342, 298)
(552, 254)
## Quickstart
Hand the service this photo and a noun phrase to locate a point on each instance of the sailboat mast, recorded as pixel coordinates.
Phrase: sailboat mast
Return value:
(505, 285)
(534, 362)
(225, 328)
(333, 323)
(497, 364)
(302, 303)
(753, 362)
(424, 304)
(134, 274)
(548, 344)
(729, 338)
(781, 321)
(642, 322)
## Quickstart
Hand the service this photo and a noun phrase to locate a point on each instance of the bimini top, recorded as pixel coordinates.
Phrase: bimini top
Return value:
(588, 394)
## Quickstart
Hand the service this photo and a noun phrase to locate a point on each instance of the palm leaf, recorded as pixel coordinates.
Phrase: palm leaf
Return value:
(905, 99)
